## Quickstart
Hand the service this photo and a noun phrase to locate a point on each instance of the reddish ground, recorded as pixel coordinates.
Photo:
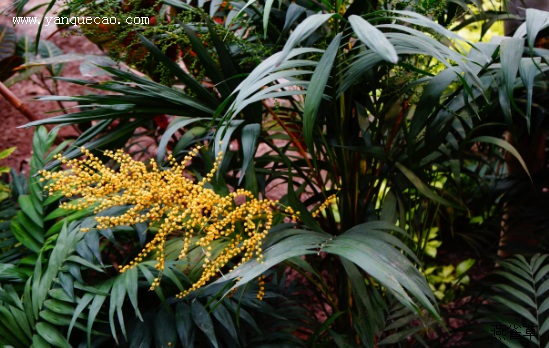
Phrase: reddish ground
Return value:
(28, 90)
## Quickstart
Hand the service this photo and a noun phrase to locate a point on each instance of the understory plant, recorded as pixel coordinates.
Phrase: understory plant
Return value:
(377, 125)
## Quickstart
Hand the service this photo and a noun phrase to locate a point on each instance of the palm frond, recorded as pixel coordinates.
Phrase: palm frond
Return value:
(520, 299)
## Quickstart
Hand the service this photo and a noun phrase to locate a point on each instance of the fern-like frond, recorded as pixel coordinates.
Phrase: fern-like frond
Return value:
(521, 301)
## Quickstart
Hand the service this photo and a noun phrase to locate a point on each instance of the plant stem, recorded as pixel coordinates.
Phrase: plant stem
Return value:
(16, 103)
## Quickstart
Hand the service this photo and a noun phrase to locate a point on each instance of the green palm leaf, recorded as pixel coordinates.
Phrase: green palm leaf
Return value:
(368, 246)
(520, 288)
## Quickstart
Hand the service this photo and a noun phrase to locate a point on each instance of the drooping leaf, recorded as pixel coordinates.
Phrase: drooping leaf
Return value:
(302, 32)
(250, 133)
(536, 21)
(49, 333)
(292, 14)
(316, 90)
(184, 324)
(511, 50)
(165, 328)
(373, 38)
(505, 145)
(424, 189)
(202, 319)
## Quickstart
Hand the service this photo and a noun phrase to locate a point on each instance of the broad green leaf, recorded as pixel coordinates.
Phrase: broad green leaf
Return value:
(84, 263)
(169, 274)
(372, 313)
(54, 318)
(266, 12)
(202, 319)
(10, 322)
(118, 295)
(82, 304)
(543, 307)
(5, 153)
(23, 236)
(28, 304)
(26, 48)
(214, 6)
(223, 139)
(95, 307)
(141, 335)
(373, 38)
(42, 21)
(226, 319)
(388, 266)
(250, 133)
(302, 32)
(529, 68)
(60, 307)
(51, 335)
(10, 297)
(420, 20)
(233, 14)
(537, 260)
(292, 14)
(540, 275)
(39, 342)
(184, 324)
(225, 59)
(22, 321)
(464, 266)
(131, 280)
(67, 283)
(165, 328)
(511, 50)
(283, 245)
(270, 71)
(536, 21)
(389, 208)
(29, 209)
(315, 91)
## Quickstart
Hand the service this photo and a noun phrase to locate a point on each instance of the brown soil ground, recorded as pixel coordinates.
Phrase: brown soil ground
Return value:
(27, 91)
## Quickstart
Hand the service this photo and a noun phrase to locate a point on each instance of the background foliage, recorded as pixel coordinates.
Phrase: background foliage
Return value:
(380, 103)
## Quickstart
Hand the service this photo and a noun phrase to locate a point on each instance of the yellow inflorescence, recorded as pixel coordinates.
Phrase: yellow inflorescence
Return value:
(324, 205)
(261, 283)
(176, 202)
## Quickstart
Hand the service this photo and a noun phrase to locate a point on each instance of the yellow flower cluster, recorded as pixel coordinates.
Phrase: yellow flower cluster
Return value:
(324, 205)
(182, 207)
(261, 292)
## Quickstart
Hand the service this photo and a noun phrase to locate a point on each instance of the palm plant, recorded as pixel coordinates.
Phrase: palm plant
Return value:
(58, 286)
(368, 103)
(510, 308)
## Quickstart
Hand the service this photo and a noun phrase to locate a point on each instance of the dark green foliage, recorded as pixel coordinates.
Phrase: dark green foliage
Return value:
(376, 107)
